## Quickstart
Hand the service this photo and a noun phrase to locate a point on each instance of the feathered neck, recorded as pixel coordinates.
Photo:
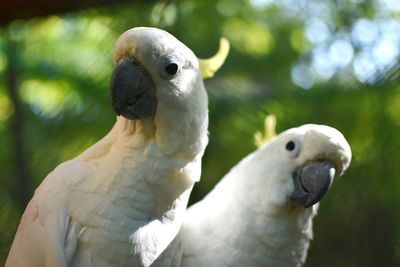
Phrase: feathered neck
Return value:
(258, 222)
(181, 133)
(126, 128)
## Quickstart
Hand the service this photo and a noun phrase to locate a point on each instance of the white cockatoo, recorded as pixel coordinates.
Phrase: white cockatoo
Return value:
(122, 201)
(260, 213)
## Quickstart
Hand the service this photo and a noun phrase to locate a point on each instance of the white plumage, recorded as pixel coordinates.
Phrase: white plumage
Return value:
(122, 201)
(254, 216)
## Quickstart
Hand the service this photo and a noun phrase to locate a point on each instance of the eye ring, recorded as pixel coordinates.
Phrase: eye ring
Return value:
(292, 148)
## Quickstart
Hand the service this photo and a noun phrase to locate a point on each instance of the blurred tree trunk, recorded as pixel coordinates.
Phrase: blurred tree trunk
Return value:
(21, 191)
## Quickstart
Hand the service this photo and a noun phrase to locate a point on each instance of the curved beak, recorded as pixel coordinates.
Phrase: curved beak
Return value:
(133, 92)
(312, 181)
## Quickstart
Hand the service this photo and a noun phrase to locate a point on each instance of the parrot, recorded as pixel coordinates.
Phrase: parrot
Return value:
(122, 201)
(260, 213)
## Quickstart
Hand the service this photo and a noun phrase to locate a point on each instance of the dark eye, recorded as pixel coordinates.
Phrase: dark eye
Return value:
(171, 68)
(290, 146)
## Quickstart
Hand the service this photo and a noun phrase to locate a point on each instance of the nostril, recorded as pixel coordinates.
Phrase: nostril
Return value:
(133, 61)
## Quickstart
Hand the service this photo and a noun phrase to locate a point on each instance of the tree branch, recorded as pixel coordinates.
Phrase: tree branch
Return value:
(23, 9)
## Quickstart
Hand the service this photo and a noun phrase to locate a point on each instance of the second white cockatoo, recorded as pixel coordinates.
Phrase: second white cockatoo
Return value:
(122, 201)
(261, 212)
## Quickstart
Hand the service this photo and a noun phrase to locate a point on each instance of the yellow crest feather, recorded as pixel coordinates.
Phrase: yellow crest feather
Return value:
(210, 65)
(269, 131)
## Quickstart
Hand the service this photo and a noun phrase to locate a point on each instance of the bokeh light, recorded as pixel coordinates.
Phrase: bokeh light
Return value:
(322, 64)
(316, 31)
(364, 32)
(303, 76)
(341, 53)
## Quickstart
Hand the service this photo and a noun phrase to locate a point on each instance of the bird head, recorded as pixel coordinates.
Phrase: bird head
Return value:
(157, 84)
(302, 162)
(152, 67)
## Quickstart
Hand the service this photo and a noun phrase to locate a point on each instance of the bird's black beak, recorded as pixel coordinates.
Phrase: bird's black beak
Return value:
(133, 92)
(311, 181)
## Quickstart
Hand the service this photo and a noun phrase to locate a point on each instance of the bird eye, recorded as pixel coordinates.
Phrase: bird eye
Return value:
(171, 68)
(292, 147)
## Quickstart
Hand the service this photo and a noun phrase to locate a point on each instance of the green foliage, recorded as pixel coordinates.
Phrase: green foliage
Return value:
(284, 61)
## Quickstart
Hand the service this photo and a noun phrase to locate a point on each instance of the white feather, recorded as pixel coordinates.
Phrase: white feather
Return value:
(122, 201)
(247, 219)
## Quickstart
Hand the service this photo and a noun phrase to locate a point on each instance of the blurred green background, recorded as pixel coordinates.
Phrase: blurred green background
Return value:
(326, 62)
